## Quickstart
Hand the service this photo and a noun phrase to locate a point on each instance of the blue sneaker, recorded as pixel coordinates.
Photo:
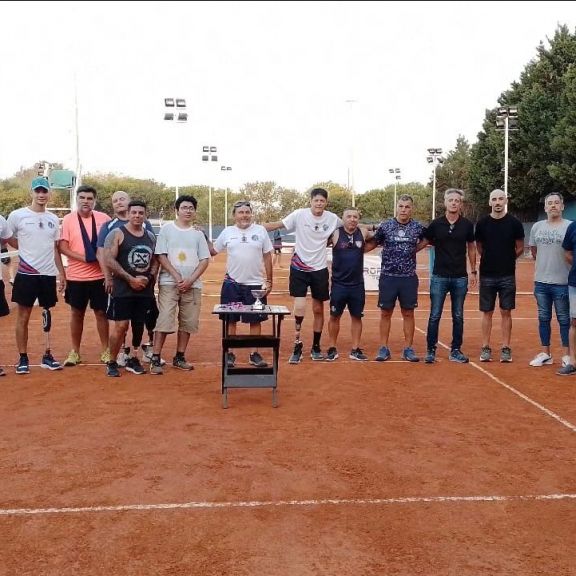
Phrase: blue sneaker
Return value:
(430, 357)
(49, 362)
(383, 354)
(112, 369)
(457, 356)
(296, 357)
(409, 355)
(23, 366)
(316, 353)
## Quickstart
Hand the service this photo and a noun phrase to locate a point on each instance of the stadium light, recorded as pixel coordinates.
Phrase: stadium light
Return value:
(397, 173)
(506, 120)
(434, 157)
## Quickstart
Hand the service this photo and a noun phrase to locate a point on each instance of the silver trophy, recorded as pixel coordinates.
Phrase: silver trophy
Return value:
(258, 305)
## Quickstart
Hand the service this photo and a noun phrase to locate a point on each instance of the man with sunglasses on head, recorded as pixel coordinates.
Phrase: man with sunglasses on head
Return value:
(313, 227)
(452, 236)
(249, 252)
(35, 233)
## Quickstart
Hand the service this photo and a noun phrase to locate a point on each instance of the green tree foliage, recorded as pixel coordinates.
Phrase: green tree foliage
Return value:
(541, 157)
(270, 202)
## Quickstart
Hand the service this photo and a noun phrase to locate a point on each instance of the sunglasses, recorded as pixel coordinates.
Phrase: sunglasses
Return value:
(451, 228)
(241, 203)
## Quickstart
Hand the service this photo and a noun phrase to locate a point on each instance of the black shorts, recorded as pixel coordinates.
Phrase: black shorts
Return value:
(277, 249)
(4, 308)
(504, 287)
(131, 308)
(79, 293)
(28, 287)
(317, 280)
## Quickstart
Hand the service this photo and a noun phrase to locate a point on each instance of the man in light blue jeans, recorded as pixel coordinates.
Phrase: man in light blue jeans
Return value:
(452, 236)
(551, 278)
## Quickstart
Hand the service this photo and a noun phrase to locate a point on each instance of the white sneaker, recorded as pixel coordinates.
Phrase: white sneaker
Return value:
(565, 360)
(541, 359)
(147, 351)
(122, 358)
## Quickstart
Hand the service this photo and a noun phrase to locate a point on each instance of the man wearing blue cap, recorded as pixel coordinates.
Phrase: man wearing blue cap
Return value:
(35, 233)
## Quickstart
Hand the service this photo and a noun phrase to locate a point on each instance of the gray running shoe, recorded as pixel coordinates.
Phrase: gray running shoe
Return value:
(332, 354)
(486, 354)
(506, 354)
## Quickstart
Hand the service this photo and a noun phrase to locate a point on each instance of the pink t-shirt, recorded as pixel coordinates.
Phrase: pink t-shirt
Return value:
(76, 269)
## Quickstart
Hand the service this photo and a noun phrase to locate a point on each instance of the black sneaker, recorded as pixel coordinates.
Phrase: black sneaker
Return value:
(112, 369)
(133, 365)
(257, 360)
(316, 353)
(358, 354)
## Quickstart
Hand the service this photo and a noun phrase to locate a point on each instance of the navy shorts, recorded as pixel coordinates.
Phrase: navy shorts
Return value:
(317, 280)
(234, 292)
(401, 288)
(491, 286)
(28, 287)
(352, 296)
(79, 294)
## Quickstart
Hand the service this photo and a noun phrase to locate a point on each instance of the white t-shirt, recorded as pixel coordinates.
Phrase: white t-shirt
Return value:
(184, 247)
(551, 266)
(36, 233)
(4, 229)
(245, 247)
(312, 234)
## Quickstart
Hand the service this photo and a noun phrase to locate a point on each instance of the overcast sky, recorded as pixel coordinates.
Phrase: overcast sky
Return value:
(268, 83)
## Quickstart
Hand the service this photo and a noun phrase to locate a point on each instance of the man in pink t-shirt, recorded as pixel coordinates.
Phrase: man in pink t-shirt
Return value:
(85, 279)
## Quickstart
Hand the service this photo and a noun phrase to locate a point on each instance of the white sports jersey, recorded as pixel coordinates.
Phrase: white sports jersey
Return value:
(36, 233)
(4, 229)
(184, 247)
(312, 234)
(245, 247)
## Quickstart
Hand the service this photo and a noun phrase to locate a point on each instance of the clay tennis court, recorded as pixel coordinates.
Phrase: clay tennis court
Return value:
(364, 468)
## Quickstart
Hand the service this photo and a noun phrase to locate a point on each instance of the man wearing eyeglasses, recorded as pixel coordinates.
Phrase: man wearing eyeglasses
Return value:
(35, 233)
(452, 236)
(249, 254)
(183, 255)
(347, 289)
(309, 266)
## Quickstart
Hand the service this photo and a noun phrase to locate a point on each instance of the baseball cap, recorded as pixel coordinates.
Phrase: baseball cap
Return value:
(40, 182)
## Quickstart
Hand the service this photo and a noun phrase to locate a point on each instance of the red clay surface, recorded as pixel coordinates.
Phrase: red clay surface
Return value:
(364, 468)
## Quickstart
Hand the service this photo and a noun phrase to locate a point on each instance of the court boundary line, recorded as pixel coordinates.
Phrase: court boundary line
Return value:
(510, 388)
(287, 503)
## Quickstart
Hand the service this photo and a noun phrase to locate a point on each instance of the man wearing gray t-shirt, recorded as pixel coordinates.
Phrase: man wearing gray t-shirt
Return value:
(551, 278)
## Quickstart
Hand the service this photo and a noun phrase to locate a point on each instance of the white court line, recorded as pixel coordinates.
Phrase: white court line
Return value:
(285, 503)
(540, 407)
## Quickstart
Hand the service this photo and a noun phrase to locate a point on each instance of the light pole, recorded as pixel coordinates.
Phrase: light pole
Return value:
(434, 157)
(506, 119)
(225, 169)
(397, 173)
(175, 111)
(351, 160)
(209, 154)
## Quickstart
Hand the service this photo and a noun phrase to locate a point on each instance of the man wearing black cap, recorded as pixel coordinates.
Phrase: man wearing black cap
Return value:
(35, 233)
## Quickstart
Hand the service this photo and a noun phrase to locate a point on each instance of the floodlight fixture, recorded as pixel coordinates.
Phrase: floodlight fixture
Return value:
(169, 102)
(205, 158)
(169, 116)
(182, 117)
(180, 103)
(205, 148)
(214, 158)
(213, 149)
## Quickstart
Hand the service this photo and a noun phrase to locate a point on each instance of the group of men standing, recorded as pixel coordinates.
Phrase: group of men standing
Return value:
(113, 264)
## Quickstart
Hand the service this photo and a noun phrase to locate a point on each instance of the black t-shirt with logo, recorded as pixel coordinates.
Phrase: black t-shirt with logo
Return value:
(498, 237)
(450, 242)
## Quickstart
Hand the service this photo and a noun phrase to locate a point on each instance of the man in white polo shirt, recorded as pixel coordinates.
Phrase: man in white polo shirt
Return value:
(249, 252)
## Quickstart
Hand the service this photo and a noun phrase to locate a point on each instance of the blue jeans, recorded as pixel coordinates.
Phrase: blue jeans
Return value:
(546, 296)
(439, 288)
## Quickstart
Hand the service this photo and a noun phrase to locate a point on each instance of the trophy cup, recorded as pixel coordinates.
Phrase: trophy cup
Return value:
(258, 294)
